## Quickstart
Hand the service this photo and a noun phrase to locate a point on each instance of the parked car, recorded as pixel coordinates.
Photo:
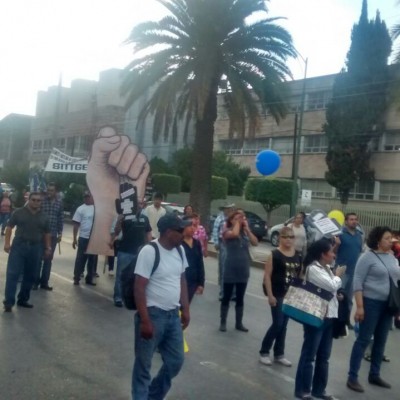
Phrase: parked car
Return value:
(257, 225)
(6, 187)
(312, 233)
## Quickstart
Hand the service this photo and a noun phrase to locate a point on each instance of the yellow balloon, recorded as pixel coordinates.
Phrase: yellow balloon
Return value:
(337, 215)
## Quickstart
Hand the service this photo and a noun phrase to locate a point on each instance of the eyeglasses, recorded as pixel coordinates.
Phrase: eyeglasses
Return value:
(286, 237)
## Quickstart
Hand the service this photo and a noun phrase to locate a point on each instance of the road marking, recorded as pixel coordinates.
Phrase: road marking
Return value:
(83, 287)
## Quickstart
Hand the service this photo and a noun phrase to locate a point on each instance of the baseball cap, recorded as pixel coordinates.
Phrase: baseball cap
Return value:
(173, 222)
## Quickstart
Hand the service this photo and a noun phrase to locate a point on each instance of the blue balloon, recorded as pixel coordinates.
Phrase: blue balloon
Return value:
(267, 162)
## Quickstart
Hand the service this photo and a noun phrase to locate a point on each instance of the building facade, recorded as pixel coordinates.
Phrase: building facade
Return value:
(385, 160)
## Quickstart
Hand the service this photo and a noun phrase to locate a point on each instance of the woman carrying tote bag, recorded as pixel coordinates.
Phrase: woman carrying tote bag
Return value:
(311, 381)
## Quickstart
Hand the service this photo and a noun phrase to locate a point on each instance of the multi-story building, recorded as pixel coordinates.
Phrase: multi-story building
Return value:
(14, 138)
(385, 158)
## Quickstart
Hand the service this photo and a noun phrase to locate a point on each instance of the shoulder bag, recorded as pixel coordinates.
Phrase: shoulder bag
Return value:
(305, 302)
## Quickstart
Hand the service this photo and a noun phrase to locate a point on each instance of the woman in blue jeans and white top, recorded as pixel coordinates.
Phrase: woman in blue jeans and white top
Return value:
(282, 265)
(371, 285)
(311, 381)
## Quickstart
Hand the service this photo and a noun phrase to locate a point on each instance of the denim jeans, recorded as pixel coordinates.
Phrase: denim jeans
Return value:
(44, 269)
(376, 323)
(347, 286)
(168, 338)
(4, 217)
(23, 259)
(123, 260)
(276, 332)
(317, 345)
(81, 259)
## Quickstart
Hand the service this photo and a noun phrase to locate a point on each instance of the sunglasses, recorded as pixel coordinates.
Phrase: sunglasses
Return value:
(286, 237)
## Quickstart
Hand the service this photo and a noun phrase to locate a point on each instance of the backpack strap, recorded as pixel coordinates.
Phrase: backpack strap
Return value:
(156, 258)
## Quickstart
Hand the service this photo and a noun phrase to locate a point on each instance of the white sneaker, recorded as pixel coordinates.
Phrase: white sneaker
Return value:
(111, 273)
(265, 360)
(283, 361)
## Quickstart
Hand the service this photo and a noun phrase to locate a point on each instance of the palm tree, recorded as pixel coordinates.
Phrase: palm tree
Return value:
(395, 33)
(184, 56)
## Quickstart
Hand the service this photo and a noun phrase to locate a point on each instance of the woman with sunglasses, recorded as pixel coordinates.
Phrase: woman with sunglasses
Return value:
(237, 238)
(282, 265)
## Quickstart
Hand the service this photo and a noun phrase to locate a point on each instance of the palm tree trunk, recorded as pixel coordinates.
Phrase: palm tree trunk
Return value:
(200, 190)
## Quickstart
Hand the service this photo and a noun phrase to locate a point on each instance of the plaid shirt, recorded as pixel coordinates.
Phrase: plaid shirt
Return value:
(54, 210)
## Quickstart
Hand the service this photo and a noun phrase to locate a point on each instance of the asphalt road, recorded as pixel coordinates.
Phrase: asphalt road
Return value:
(76, 345)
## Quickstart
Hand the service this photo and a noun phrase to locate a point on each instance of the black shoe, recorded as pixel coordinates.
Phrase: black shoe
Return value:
(46, 287)
(355, 385)
(350, 326)
(96, 275)
(2, 234)
(90, 283)
(24, 304)
(35, 287)
(378, 381)
(76, 283)
(7, 307)
(118, 304)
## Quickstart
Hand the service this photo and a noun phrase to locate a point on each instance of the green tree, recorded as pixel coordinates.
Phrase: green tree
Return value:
(182, 58)
(355, 114)
(181, 164)
(17, 176)
(166, 183)
(270, 192)
(219, 187)
(159, 166)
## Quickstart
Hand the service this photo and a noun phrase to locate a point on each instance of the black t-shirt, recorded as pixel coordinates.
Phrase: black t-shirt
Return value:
(134, 234)
(283, 270)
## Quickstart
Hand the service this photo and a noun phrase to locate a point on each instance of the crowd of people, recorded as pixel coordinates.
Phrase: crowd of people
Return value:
(170, 272)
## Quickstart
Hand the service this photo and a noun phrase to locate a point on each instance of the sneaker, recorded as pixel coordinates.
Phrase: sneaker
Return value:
(265, 360)
(283, 361)
(111, 273)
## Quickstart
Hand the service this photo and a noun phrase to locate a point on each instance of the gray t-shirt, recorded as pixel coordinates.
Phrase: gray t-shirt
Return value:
(371, 275)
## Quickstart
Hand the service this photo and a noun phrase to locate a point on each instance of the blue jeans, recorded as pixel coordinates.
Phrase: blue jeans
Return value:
(276, 332)
(317, 345)
(44, 268)
(81, 259)
(168, 338)
(123, 260)
(4, 217)
(23, 259)
(376, 323)
(347, 286)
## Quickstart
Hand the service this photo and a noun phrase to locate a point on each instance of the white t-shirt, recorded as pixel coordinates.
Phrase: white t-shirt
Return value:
(154, 214)
(84, 215)
(164, 287)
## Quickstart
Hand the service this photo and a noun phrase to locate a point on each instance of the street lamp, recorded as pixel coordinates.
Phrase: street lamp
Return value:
(297, 142)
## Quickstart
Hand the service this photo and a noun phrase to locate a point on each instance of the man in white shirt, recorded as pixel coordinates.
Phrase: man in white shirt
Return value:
(154, 212)
(159, 297)
(83, 222)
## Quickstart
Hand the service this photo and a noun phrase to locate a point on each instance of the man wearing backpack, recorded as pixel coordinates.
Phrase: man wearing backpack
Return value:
(159, 296)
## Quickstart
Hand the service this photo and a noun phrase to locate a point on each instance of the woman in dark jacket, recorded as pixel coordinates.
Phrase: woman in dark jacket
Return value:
(237, 237)
(195, 275)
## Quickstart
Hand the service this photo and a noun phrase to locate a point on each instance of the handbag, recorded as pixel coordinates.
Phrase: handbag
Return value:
(394, 293)
(305, 302)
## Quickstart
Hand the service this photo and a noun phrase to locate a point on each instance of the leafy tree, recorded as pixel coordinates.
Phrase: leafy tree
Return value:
(181, 164)
(17, 176)
(271, 193)
(166, 183)
(219, 187)
(223, 165)
(159, 166)
(181, 60)
(356, 113)
(63, 180)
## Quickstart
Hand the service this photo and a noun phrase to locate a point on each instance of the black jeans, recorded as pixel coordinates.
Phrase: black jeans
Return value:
(240, 291)
(44, 269)
(276, 332)
(81, 258)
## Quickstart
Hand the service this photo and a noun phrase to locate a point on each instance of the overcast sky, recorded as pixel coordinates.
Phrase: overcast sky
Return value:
(41, 39)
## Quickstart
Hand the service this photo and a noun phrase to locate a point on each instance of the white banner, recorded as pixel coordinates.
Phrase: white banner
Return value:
(61, 162)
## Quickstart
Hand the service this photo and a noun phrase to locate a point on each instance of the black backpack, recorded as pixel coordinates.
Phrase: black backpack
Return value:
(128, 277)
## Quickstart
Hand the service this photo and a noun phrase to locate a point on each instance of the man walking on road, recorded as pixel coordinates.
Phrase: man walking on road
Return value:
(24, 254)
(159, 296)
(53, 208)
(154, 212)
(83, 222)
(348, 251)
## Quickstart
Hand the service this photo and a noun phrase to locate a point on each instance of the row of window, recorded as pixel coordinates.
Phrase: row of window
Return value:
(309, 144)
(72, 145)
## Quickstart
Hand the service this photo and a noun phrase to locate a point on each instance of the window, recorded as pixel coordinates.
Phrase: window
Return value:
(232, 147)
(47, 145)
(315, 144)
(392, 142)
(389, 191)
(60, 143)
(363, 191)
(282, 145)
(254, 146)
(317, 100)
(36, 147)
(295, 104)
(319, 187)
